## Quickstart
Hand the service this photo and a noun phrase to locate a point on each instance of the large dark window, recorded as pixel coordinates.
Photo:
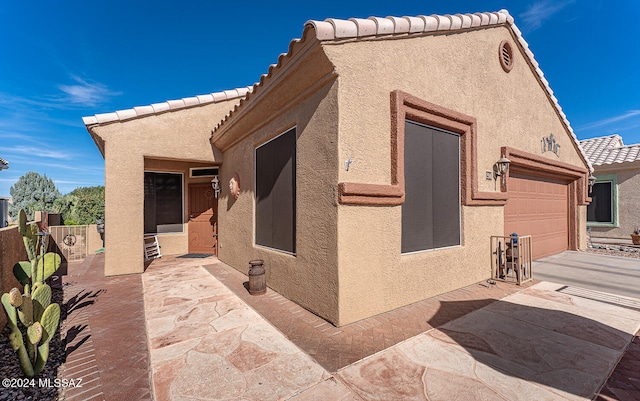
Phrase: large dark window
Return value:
(276, 193)
(431, 211)
(600, 210)
(162, 202)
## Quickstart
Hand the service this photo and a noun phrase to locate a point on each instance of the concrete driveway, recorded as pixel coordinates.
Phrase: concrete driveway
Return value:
(611, 274)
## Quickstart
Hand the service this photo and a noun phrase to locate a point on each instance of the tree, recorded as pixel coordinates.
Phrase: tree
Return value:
(33, 192)
(83, 205)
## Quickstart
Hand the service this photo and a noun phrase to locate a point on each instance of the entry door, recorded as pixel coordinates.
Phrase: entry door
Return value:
(203, 219)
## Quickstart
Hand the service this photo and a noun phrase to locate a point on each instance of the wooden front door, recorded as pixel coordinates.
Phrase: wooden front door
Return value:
(203, 219)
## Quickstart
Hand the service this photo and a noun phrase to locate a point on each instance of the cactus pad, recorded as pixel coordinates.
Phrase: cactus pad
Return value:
(25, 312)
(22, 272)
(41, 297)
(34, 333)
(25, 362)
(15, 298)
(41, 359)
(22, 222)
(47, 265)
(30, 240)
(49, 321)
(12, 315)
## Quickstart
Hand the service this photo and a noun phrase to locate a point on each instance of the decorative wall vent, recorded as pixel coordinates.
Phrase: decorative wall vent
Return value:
(506, 55)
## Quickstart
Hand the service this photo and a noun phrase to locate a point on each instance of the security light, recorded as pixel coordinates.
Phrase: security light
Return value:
(592, 182)
(500, 169)
(215, 184)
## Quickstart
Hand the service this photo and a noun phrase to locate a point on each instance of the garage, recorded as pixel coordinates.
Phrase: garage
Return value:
(538, 206)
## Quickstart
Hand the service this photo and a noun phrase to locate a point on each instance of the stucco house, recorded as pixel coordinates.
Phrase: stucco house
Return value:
(613, 212)
(361, 168)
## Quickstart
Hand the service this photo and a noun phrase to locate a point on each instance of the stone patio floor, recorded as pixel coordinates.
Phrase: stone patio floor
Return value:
(206, 338)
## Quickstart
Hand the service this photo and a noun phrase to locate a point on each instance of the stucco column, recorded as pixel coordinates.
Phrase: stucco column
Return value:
(124, 210)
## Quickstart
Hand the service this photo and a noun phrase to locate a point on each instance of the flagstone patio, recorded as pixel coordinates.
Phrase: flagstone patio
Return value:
(207, 339)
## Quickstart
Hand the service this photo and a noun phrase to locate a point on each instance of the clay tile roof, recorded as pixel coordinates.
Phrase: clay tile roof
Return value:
(139, 111)
(609, 150)
(333, 29)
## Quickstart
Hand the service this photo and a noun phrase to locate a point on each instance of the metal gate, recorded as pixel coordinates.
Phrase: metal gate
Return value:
(71, 240)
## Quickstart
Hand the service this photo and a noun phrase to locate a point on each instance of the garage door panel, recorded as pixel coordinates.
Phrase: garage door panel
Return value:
(538, 207)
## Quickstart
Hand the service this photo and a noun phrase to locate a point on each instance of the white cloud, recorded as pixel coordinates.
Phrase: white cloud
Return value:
(610, 120)
(79, 94)
(84, 93)
(37, 151)
(535, 15)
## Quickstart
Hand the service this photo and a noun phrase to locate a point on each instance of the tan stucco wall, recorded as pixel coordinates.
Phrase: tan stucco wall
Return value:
(628, 175)
(582, 226)
(179, 135)
(309, 278)
(461, 72)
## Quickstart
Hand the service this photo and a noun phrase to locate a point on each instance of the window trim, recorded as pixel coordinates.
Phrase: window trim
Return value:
(192, 169)
(613, 179)
(255, 191)
(182, 189)
(404, 105)
(460, 139)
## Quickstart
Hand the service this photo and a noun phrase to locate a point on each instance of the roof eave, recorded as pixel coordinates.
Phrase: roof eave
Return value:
(163, 107)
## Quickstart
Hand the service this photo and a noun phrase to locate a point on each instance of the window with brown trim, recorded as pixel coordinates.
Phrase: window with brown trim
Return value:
(275, 163)
(431, 210)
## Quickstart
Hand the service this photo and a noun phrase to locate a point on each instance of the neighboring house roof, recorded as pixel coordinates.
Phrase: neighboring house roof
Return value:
(375, 27)
(3, 164)
(169, 105)
(609, 150)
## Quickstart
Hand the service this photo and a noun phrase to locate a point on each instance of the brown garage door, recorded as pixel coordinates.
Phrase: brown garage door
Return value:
(538, 207)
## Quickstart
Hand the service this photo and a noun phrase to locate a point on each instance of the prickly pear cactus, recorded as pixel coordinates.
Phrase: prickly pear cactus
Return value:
(41, 265)
(15, 337)
(34, 351)
(33, 309)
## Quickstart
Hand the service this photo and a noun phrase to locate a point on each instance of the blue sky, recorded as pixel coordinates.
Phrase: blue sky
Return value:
(60, 61)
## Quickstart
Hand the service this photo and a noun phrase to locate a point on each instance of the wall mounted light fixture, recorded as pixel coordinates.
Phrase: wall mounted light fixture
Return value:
(500, 169)
(215, 184)
(592, 182)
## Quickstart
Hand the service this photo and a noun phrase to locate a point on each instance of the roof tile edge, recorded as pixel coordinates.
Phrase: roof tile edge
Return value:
(336, 29)
(169, 105)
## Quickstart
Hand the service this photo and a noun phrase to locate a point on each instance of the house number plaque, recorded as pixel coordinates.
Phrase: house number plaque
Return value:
(549, 144)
